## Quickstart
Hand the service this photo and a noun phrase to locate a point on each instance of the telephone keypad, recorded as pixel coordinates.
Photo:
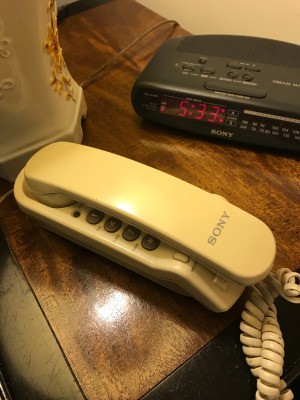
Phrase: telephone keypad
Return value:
(112, 224)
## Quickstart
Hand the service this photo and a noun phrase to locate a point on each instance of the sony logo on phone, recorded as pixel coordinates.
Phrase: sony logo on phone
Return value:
(217, 231)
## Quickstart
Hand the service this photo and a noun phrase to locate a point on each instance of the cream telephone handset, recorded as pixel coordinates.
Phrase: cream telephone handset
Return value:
(161, 227)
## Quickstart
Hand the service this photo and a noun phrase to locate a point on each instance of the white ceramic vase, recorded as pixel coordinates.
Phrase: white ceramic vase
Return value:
(40, 102)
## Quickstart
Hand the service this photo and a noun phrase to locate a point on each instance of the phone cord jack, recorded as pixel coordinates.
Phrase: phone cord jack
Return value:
(261, 335)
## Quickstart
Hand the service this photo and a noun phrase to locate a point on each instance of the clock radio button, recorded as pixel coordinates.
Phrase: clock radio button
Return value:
(187, 68)
(202, 60)
(248, 77)
(234, 66)
(253, 69)
(207, 70)
(232, 75)
(235, 88)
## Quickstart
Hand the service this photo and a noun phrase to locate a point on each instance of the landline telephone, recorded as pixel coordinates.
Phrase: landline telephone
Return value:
(191, 241)
(180, 236)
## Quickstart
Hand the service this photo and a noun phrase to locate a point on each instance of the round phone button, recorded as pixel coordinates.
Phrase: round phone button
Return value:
(112, 224)
(150, 242)
(94, 216)
(131, 233)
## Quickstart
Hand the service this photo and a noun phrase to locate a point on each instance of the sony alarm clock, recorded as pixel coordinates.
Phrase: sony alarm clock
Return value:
(238, 88)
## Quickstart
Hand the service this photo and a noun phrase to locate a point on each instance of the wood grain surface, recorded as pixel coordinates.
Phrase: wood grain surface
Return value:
(121, 333)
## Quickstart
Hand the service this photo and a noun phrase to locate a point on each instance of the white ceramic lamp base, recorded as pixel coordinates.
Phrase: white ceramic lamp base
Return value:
(40, 102)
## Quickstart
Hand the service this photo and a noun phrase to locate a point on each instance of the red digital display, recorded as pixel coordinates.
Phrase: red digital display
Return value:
(193, 109)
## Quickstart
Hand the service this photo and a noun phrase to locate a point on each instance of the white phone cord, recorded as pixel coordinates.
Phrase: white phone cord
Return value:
(262, 340)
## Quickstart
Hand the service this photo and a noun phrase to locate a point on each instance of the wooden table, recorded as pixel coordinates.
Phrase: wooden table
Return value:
(121, 333)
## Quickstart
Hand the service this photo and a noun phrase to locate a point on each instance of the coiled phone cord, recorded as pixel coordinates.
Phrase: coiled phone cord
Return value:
(261, 336)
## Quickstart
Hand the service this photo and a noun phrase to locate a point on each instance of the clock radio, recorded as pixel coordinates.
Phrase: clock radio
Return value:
(238, 88)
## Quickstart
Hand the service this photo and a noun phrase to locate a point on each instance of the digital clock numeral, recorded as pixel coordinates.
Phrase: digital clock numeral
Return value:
(214, 114)
(200, 111)
(183, 108)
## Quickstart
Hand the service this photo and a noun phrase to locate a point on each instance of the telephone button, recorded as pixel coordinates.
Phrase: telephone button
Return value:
(181, 257)
(94, 216)
(112, 224)
(220, 282)
(131, 233)
(150, 242)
